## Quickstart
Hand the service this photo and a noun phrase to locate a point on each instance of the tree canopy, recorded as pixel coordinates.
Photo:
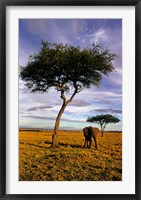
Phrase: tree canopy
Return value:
(103, 120)
(66, 67)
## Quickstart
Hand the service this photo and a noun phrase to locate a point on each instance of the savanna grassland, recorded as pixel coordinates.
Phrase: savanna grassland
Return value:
(69, 161)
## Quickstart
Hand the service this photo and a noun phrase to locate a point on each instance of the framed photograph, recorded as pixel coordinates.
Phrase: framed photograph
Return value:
(70, 99)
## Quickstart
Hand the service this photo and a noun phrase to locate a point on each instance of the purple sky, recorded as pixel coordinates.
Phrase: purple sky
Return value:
(40, 110)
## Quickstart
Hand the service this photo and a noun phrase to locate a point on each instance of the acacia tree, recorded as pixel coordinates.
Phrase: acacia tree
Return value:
(103, 120)
(66, 67)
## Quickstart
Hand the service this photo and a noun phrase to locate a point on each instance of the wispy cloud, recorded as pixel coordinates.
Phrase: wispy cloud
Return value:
(109, 110)
(79, 103)
(116, 77)
(38, 108)
(53, 118)
(99, 36)
(67, 128)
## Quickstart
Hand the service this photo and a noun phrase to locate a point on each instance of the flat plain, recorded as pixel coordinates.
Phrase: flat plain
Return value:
(69, 161)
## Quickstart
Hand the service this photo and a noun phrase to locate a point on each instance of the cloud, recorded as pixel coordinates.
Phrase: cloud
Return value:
(109, 110)
(54, 30)
(38, 117)
(38, 108)
(116, 77)
(53, 118)
(67, 128)
(100, 94)
(99, 36)
(35, 26)
(79, 103)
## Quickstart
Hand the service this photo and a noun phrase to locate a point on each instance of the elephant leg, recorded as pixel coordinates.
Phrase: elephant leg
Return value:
(87, 144)
(95, 142)
(90, 142)
(84, 143)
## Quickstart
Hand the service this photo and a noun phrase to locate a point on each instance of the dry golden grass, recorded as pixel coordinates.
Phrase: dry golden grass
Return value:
(69, 161)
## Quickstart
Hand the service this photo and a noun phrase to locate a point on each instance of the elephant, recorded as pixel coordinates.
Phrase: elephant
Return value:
(89, 133)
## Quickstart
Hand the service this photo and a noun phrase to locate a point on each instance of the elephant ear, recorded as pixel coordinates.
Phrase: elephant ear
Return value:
(86, 131)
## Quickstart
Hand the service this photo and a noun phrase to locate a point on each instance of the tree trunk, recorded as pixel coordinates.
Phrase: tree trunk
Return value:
(102, 131)
(57, 123)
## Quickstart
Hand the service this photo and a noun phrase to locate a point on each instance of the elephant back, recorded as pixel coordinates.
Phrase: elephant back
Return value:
(96, 131)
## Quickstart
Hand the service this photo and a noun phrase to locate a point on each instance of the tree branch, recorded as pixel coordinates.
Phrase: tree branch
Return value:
(63, 96)
(76, 90)
(71, 98)
(98, 123)
(104, 126)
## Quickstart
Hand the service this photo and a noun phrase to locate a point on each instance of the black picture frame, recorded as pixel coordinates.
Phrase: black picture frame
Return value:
(3, 5)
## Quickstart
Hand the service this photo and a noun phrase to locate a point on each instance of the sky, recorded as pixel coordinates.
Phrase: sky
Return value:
(38, 110)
